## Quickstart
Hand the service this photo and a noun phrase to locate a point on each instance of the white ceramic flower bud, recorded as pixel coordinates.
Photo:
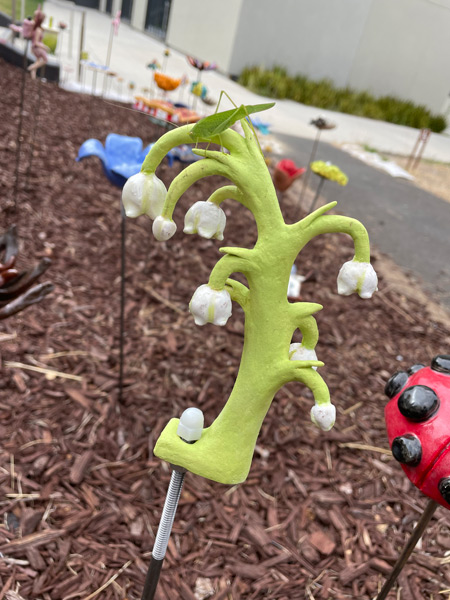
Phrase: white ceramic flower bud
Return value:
(299, 352)
(323, 415)
(210, 306)
(163, 229)
(191, 423)
(207, 219)
(357, 277)
(143, 195)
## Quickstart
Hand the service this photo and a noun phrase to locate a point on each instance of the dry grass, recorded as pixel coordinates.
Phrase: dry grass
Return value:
(434, 177)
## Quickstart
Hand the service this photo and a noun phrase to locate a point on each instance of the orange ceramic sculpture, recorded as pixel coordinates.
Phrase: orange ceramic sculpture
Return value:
(166, 83)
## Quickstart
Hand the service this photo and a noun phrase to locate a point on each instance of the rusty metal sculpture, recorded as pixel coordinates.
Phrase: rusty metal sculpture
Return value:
(17, 291)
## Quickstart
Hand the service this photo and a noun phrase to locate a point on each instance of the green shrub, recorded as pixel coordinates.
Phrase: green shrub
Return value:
(277, 83)
(437, 123)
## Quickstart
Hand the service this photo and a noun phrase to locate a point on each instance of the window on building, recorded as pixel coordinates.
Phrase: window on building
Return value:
(157, 17)
(127, 9)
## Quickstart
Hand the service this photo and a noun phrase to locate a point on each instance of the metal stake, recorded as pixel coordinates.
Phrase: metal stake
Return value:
(80, 52)
(19, 129)
(35, 126)
(308, 170)
(163, 535)
(122, 299)
(412, 542)
(190, 430)
(319, 189)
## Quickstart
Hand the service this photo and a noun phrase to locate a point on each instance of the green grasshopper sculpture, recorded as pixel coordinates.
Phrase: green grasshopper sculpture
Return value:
(269, 359)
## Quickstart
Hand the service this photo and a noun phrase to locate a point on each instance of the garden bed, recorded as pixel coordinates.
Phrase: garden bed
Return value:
(322, 515)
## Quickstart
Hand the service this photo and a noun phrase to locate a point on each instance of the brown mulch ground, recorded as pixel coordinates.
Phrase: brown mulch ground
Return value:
(322, 515)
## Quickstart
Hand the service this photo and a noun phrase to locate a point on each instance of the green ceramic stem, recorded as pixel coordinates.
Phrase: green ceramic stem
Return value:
(310, 332)
(229, 139)
(225, 449)
(238, 292)
(225, 267)
(226, 192)
(307, 229)
(257, 197)
(187, 177)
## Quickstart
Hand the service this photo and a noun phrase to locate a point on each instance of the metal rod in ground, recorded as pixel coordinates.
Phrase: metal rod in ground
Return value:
(19, 129)
(412, 542)
(108, 58)
(35, 126)
(413, 153)
(420, 153)
(163, 534)
(81, 47)
(122, 298)
(319, 189)
(308, 170)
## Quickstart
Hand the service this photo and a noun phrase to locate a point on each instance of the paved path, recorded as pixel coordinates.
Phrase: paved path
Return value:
(409, 224)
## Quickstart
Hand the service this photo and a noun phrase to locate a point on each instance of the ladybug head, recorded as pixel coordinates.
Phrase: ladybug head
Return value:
(417, 419)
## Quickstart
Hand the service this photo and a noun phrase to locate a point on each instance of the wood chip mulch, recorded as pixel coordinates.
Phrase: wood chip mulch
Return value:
(321, 516)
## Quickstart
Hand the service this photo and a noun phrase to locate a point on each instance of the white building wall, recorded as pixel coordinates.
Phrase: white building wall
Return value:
(317, 38)
(138, 14)
(405, 51)
(205, 29)
(397, 47)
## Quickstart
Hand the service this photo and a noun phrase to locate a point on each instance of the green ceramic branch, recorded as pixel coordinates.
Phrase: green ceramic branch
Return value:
(269, 359)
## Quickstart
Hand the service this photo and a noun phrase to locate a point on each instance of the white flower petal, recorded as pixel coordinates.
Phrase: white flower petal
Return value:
(210, 306)
(323, 415)
(358, 277)
(163, 229)
(143, 194)
(205, 218)
(299, 352)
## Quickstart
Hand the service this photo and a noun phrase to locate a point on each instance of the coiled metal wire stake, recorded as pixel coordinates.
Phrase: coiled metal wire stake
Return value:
(190, 430)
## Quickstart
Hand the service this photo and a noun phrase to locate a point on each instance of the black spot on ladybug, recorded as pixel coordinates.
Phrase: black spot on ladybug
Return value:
(414, 369)
(407, 449)
(441, 363)
(444, 488)
(418, 403)
(395, 383)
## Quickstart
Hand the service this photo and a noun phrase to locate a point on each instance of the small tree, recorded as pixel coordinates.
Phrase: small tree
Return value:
(269, 360)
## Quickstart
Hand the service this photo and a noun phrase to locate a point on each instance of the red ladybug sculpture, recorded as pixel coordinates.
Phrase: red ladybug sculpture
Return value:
(418, 426)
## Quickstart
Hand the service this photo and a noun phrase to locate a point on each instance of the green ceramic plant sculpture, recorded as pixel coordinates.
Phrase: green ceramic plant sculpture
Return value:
(269, 359)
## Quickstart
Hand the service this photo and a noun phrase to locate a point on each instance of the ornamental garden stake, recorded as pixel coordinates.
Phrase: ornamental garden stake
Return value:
(121, 157)
(320, 124)
(27, 31)
(224, 451)
(17, 290)
(325, 170)
(417, 422)
(200, 65)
